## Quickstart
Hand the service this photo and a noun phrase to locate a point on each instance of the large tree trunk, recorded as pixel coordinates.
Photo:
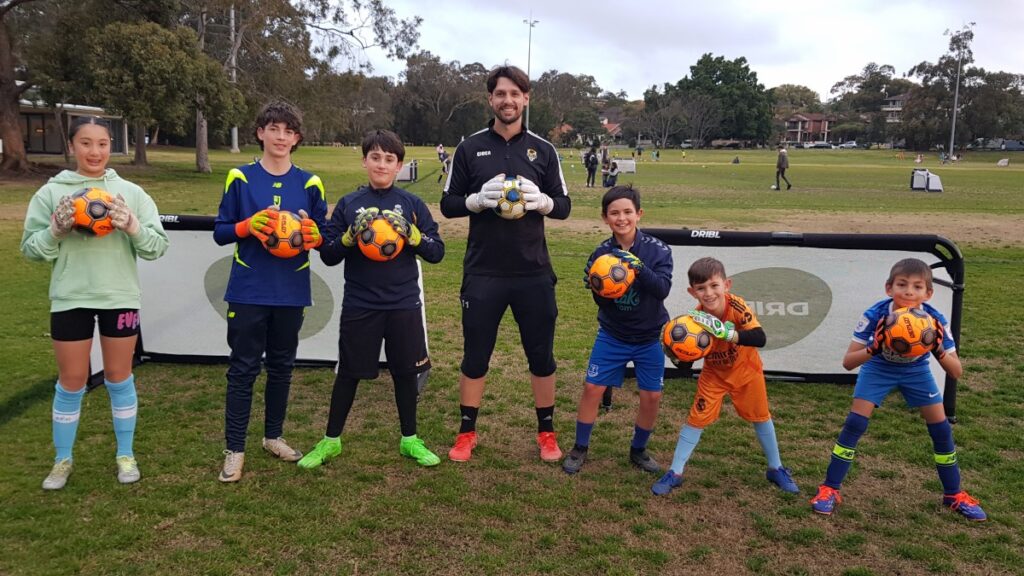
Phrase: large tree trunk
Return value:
(15, 158)
(140, 144)
(202, 144)
(156, 136)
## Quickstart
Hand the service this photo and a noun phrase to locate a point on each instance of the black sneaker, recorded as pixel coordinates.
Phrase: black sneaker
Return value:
(642, 460)
(574, 461)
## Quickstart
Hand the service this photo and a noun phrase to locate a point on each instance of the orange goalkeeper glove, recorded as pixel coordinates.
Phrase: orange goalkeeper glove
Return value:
(311, 237)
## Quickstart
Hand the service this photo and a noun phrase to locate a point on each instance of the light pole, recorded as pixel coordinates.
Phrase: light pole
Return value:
(956, 90)
(529, 47)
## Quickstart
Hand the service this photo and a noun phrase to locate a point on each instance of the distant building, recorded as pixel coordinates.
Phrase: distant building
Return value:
(809, 127)
(893, 108)
(41, 132)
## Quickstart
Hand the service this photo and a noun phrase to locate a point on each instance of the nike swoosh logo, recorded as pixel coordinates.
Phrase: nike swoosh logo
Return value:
(933, 394)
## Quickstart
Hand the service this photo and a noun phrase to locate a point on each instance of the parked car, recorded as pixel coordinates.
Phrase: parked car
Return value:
(686, 144)
(848, 145)
(818, 144)
(1012, 145)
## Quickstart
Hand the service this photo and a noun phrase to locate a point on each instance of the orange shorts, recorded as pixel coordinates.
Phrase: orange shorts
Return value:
(750, 400)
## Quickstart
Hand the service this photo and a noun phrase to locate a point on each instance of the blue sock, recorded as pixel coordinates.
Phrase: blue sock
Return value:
(688, 438)
(583, 430)
(640, 437)
(124, 406)
(766, 436)
(67, 406)
(845, 449)
(945, 456)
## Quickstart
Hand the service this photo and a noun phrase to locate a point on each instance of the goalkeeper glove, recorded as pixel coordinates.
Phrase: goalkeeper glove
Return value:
(721, 330)
(311, 237)
(874, 347)
(534, 198)
(122, 218)
(260, 224)
(63, 218)
(630, 259)
(405, 229)
(938, 350)
(361, 223)
(488, 195)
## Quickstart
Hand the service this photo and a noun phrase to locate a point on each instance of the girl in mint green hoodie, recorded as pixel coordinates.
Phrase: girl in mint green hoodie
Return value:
(94, 279)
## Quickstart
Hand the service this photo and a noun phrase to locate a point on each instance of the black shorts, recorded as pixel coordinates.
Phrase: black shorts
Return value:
(484, 300)
(362, 332)
(80, 323)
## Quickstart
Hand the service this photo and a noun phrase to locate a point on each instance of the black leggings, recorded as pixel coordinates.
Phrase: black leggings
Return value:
(344, 396)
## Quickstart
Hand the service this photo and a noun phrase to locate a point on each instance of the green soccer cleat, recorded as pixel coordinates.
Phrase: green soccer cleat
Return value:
(324, 451)
(412, 447)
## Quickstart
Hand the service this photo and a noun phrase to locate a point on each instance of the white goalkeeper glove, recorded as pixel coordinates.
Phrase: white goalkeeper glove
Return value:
(488, 195)
(122, 218)
(534, 198)
(721, 330)
(63, 218)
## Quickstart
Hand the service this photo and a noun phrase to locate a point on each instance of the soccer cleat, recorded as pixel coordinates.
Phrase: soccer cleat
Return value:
(965, 505)
(412, 447)
(783, 478)
(574, 461)
(826, 500)
(324, 451)
(58, 475)
(549, 450)
(127, 470)
(642, 460)
(233, 462)
(280, 449)
(667, 483)
(463, 448)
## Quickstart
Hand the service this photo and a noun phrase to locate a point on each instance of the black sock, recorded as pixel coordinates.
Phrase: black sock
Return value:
(468, 418)
(342, 397)
(546, 419)
(405, 399)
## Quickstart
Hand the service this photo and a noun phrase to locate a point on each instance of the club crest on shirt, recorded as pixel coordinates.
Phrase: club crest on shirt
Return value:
(531, 154)
(277, 200)
(398, 209)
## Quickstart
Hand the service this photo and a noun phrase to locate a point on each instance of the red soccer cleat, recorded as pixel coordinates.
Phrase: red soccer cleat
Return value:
(463, 449)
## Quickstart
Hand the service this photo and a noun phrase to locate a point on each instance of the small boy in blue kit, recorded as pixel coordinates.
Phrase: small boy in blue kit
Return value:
(266, 295)
(909, 286)
(382, 299)
(629, 328)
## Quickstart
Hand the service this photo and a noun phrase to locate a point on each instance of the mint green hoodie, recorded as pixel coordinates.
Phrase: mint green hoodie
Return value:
(91, 272)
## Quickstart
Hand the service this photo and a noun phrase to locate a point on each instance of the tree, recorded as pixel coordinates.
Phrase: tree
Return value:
(703, 116)
(557, 97)
(662, 116)
(154, 75)
(14, 158)
(744, 103)
(437, 91)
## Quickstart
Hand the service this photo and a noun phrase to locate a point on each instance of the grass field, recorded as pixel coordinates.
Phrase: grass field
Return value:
(372, 512)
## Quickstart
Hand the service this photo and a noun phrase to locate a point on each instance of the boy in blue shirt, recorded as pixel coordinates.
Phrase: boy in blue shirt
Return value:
(266, 295)
(382, 299)
(909, 286)
(629, 328)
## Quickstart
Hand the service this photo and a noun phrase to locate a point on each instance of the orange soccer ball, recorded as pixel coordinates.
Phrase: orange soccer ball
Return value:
(286, 239)
(92, 211)
(685, 340)
(610, 277)
(381, 242)
(910, 332)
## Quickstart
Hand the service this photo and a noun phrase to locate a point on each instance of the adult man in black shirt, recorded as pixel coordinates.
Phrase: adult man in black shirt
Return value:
(507, 262)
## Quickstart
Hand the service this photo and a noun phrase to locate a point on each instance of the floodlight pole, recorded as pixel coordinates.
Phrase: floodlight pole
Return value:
(529, 47)
(234, 80)
(956, 95)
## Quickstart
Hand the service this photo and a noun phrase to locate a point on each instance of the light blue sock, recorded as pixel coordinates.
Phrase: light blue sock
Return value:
(124, 407)
(766, 436)
(67, 406)
(688, 438)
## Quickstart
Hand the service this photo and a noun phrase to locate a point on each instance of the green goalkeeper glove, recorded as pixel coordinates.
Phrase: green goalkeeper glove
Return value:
(361, 223)
(721, 330)
(406, 229)
(630, 259)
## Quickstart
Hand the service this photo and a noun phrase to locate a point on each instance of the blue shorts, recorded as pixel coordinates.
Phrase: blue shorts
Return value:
(916, 384)
(608, 360)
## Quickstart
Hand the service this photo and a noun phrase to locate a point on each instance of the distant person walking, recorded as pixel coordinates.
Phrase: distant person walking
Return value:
(781, 165)
(591, 162)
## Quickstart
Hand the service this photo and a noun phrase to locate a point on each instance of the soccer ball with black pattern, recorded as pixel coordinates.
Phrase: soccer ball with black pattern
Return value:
(286, 239)
(511, 206)
(92, 211)
(685, 340)
(380, 241)
(610, 277)
(909, 332)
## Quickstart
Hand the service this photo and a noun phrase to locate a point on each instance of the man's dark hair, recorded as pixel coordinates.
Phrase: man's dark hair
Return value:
(910, 267)
(517, 76)
(279, 111)
(705, 269)
(80, 121)
(385, 141)
(618, 193)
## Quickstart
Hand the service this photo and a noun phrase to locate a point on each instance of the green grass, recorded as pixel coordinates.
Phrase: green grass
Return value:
(372, 512)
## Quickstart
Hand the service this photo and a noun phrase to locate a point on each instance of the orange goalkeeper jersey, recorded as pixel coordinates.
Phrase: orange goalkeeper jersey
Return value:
(729, 364)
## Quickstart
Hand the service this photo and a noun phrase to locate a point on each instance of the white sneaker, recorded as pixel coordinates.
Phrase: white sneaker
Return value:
(279, 448)
(233, 462)
(58, 476)
(127, 470)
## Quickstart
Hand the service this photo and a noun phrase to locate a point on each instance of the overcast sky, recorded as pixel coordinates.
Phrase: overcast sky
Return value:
(633, 45)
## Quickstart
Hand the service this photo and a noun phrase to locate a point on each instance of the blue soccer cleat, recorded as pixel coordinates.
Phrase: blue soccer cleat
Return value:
(667, 483)
(968, 507)
(826, 500)
(782, 477)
